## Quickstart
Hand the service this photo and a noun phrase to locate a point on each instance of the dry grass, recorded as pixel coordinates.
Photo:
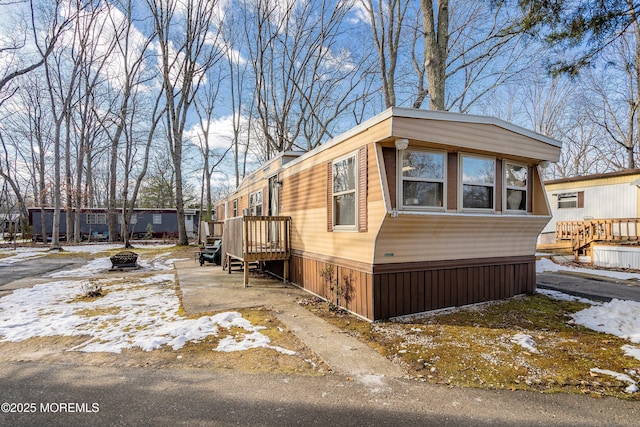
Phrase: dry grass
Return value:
(472, 347)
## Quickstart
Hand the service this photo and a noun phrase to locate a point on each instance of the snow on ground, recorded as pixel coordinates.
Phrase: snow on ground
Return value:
(158, 262)
(525, 341)
(11, 256)
(616, 317)
(545, 264)
(633, 386)
(133, 312)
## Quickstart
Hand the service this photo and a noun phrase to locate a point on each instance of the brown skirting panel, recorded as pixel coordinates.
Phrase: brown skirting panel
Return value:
(344, 286)
(402, 289)
(401, 292)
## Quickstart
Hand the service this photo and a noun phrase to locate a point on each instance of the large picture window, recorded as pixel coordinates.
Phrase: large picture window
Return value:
(515, 182)
(344, 179)
(255, 203)
(422, 179)
(478, 182)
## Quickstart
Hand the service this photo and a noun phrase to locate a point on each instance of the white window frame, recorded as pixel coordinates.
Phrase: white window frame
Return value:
(96, 218)
(401, 178)
(253, 205)
(462, 183)
(568, 195)
(235, 207)
(506, 187)
(134, 219)
(345, 227)
(157, 219)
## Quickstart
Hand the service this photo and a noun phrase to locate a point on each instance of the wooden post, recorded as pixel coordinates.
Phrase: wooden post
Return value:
(285, 273)
(246, 273)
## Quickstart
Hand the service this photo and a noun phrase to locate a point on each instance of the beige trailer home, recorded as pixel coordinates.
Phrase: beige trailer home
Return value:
(408, 212)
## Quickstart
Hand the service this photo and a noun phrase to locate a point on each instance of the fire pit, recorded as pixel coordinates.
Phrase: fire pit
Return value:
(124, 259)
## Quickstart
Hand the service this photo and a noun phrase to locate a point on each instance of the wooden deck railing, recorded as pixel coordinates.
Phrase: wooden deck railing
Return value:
(210, 231)
(257, 238)
(584, 233)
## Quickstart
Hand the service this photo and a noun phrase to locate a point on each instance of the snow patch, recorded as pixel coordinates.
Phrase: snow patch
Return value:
(525, 341)
(633, 386)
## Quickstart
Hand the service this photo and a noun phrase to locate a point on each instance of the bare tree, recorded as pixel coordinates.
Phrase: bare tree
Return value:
(238, 80)
(62, 83)
(131, 52)
(17, 68)
(14, 63)
(387, 19)
(205, 107)
(304, 78)
(188, 49)
(616, 97)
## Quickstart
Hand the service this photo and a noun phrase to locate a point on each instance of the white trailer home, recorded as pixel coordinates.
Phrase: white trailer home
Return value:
(596, 214)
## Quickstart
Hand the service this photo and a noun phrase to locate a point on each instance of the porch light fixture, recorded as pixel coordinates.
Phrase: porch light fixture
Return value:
(402, 144)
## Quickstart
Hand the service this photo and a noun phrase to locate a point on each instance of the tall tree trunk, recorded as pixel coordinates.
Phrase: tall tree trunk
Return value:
(436, 39)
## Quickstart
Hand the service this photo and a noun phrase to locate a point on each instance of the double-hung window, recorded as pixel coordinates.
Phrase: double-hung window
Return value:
(422, 179)
(515, 182)
(255, 203)
(344, 199)
(477, 175)
(157, 219)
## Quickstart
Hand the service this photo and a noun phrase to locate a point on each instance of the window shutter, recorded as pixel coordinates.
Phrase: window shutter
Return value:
(329, 197)
(581, 199)
(362, 189)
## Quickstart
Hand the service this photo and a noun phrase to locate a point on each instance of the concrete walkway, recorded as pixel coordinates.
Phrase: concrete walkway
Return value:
(209, 288)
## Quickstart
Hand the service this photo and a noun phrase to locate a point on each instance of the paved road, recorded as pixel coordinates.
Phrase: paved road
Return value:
(593, 287)
(200, 397)
(32, 268)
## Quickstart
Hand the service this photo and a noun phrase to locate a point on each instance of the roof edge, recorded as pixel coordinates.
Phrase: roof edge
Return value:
(472, 118)
(623, 172)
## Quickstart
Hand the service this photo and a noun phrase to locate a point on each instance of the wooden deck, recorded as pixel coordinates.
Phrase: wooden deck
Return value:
(583, 234)
(255, 239)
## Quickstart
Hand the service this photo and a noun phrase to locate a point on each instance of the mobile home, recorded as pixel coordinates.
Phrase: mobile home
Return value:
(597, 216)
(145, 222)
(408, 212)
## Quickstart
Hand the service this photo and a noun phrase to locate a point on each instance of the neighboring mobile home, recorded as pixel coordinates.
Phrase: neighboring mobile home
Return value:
(145, 222)
(410, 211)
(595, 209)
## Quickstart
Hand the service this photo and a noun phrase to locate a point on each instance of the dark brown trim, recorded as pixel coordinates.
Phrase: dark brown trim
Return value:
(580, 199)
(530, 178)
(390, 167)
(446, 264)
(452, 181)
(498, 188)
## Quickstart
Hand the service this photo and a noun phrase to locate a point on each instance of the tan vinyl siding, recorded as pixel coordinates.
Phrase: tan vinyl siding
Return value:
(310, 213)
(414, 238)
(474, 136)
